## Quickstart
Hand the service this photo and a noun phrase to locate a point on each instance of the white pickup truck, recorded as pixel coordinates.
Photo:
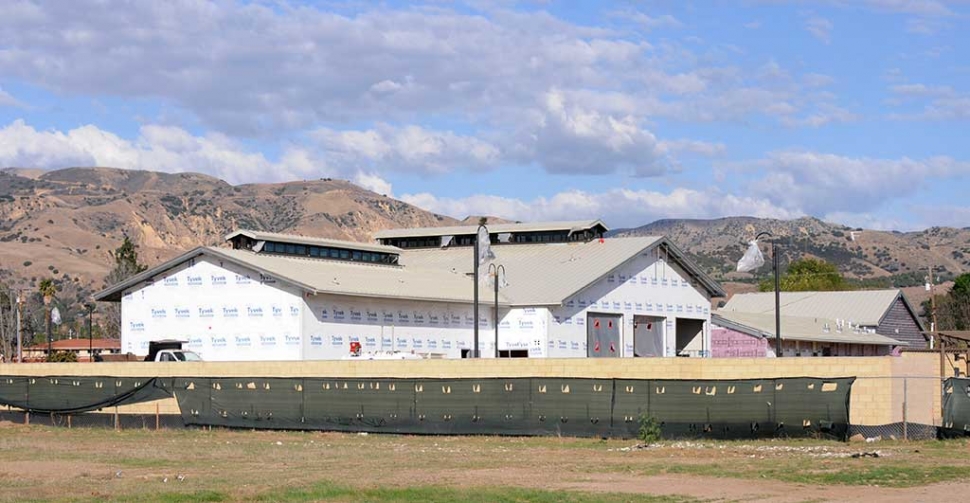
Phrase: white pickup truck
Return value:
(170, 351)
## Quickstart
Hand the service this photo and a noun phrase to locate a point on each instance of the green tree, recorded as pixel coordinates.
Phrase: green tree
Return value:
(47, 290)
(126, 266)
(126, 263)
(808, 275)
(953, 309)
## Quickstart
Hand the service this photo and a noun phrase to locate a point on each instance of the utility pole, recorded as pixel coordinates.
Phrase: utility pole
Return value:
(20, 338)
(930, 286)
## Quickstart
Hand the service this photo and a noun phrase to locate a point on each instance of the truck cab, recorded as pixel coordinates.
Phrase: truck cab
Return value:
(170, 351)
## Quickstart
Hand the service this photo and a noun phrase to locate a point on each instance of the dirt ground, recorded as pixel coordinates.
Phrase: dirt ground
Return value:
(42, 463)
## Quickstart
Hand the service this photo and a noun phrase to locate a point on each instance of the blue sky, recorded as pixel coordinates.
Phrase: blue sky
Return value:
(848, 110)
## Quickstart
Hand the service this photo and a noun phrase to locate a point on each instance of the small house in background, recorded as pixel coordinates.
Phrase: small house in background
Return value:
(854, 323)
(83, 348)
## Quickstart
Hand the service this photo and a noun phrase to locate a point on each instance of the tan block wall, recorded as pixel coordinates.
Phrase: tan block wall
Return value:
(877, 396)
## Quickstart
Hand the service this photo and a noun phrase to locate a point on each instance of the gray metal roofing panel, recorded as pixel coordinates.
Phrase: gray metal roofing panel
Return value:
(865, 307)
(540, 274)
(459, 230)
(362, 279)
(333, 276)
(297, 239)
(798, 328)
(537, 274)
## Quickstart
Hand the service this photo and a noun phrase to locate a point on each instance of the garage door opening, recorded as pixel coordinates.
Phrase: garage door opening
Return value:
(603, 335)
(648, 336)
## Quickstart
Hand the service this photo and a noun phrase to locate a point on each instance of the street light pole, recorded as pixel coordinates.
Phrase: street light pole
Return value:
(496, 272)
(20, 337)
(478, 234)
(774, 268)
(90, 336)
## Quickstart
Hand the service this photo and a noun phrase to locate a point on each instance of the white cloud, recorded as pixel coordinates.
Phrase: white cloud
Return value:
(374, 183)
(944, 103)
(653, 22)
(922, 90)
(825, 114)
(266, 70)
(619, 208)
(818, 183)
(919, 7)
(820, 28)
(944, 215)
(702, 148)
(409, 148)
(569, 138)
(157, 148)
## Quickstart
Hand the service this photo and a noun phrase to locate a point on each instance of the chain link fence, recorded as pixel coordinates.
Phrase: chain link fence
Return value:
(896, 408)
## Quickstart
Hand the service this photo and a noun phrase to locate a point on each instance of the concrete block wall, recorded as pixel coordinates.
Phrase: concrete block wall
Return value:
(876, 396)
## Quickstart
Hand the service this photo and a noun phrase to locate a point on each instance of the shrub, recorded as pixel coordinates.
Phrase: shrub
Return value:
(62, 357)
(649, 429)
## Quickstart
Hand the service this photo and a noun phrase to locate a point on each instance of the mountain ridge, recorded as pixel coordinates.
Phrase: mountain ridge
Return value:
(64, 224)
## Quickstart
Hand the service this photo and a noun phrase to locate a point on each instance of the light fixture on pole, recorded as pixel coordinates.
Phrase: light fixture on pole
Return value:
(497, 274)
(752, 260)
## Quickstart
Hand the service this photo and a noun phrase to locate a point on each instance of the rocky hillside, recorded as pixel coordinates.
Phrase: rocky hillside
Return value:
(900, 257)
(65, 223)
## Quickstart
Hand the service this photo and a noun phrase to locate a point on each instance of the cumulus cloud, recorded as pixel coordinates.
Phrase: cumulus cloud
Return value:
(569, 138)
(409, 148)
(619, 207)
(374, 183)
(818, 183)
(266, 70)
(157, 148)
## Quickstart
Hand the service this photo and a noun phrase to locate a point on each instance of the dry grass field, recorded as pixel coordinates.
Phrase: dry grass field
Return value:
(90, 464)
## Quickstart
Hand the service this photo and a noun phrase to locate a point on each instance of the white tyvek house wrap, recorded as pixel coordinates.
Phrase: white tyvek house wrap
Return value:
(225, 313)
(332, 322)
(644, 286)
(523, 329)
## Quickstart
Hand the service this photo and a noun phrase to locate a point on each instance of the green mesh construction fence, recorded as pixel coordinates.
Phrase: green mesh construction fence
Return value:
(956, 408)
(788, 407)
(72, 394)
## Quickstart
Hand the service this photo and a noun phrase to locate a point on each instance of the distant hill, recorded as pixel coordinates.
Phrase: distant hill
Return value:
(874, 256)
(65, 223)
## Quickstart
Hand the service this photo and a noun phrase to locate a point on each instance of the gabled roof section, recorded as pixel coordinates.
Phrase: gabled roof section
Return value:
(798, 328)
(461, 230)
(548, 274)
(864, 307)
(297, 239)
(333, 277)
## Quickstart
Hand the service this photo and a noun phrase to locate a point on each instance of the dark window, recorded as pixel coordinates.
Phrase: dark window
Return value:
(300, 250)
(291, 249)
(314, 251)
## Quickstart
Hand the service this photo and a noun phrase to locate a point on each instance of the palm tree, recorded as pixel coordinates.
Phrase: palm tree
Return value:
(48, 290)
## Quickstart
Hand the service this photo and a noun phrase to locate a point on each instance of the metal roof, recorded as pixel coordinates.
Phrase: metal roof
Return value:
(537, 274)
(333, 277)
(460, 230)
(547, 274)
(798, 328)
(865, 307)
(297, 239)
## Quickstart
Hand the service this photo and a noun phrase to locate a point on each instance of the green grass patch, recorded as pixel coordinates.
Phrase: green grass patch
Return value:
(433, 494)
